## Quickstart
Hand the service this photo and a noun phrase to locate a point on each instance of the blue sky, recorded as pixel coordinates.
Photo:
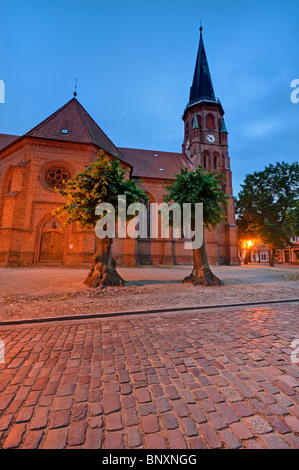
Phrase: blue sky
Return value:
(134, 61)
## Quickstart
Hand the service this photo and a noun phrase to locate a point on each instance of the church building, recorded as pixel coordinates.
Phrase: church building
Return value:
(33, 164)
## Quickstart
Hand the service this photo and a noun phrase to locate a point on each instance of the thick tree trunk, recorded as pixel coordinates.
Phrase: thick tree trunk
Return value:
(271, 257)
(201, 274)
(247, 255)
(103, 270)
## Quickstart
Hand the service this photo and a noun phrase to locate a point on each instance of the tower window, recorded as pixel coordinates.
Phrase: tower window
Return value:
(204, 161)
(64, 131)
(215, 162)
(210, 122)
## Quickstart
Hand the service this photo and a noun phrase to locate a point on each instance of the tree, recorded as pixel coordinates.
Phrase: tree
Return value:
(293, 217)
(199, 186)
(264, 202)
(102, 181)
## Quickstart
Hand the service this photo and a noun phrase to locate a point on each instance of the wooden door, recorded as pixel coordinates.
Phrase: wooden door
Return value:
(51, 246)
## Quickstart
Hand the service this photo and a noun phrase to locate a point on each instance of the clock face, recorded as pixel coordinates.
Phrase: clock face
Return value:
(211, 138)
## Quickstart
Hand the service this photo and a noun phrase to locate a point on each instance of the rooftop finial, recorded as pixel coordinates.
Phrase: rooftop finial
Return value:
(75, 92)
(200, 29)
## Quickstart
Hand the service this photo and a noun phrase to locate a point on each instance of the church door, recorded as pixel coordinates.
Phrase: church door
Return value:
(51, 246)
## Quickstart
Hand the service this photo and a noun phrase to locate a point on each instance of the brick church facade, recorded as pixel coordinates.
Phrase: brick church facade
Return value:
(32, 165)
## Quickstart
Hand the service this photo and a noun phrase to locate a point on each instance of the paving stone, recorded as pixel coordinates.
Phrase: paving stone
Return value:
(25, 414)
(14, 437)
(77, 433)
(210, 436)
(196, 443)
(242, 431)
(150, 424)
(170, 421)
(189, 427)
(217, 421)
(155, 441)
(40, 419)
(230, 439)
(32, 440)
(134, 438)
(273, 441)
(111, 403)
(176, 439)
(143, 396)
(114, 440)
(259, 425)
(293, 423)
(60, 419)
(114, 422)
(163, 404)
(56, 439)
(5, 422)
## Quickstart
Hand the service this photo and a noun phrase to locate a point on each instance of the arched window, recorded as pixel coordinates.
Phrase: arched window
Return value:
(204, 161)
(210, 122)
(187, 128)
(215, 162)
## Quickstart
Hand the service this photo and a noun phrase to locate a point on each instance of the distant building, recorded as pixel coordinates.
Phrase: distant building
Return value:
(32, 165)
(260, 253)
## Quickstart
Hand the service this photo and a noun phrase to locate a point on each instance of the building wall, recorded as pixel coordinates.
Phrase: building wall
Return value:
(28, 227)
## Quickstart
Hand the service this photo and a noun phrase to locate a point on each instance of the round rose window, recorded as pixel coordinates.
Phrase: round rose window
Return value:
(56, 176)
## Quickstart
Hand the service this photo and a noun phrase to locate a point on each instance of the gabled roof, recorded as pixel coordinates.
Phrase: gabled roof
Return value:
(72, 123)
(6, 139)
(155, 164)
(202, 86)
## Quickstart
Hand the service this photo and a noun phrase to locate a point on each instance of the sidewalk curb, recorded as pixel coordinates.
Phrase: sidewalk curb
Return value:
(140, 312)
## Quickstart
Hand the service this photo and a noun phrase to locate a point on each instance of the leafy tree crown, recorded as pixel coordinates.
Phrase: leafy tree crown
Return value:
(199, 186)
(102, 181)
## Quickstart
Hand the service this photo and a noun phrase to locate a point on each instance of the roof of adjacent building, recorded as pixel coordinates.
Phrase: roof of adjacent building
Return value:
(6, 139)
(154, 163)
(72, 123)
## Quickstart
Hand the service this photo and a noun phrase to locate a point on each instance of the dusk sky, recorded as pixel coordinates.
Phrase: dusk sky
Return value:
(134, 61)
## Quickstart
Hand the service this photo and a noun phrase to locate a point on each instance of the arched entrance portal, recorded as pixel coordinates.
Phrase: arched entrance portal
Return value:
(51, 241)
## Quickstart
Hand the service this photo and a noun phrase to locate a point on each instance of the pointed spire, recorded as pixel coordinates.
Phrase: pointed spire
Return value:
(202, 87)
(223, 127)
(195, 123)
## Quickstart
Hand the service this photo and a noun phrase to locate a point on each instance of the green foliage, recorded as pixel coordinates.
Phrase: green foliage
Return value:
(265, 201)
(102, 181)
(199, 186)
(293, 217)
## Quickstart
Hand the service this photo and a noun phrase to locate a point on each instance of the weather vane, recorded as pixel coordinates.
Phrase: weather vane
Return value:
(75, 92)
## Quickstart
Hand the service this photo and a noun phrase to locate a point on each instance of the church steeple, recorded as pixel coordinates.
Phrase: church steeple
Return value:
(202, 86)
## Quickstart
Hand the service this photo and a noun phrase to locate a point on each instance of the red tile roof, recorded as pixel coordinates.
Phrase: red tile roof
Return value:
(79, 125)
(6, 139)
(83, 129)
(155, 164)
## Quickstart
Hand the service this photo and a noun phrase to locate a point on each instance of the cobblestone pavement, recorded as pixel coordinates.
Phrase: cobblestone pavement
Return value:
(213, 379)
